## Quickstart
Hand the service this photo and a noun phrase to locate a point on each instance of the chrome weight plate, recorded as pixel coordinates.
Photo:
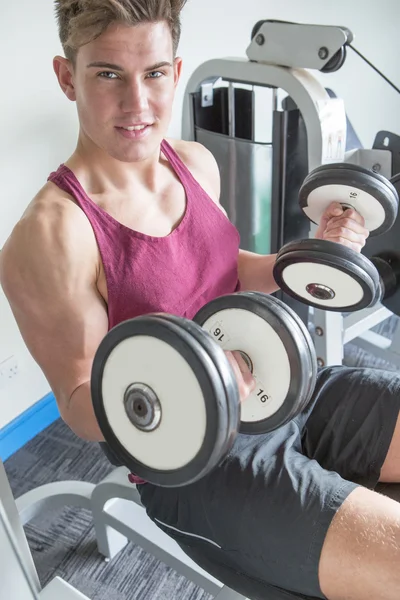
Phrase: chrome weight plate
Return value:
(271, 342)
(159, 401)
(309, 356)
(326, 275)
(230, 401)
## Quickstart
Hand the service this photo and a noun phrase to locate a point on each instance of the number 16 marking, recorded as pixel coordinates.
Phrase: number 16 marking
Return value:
(263, 396)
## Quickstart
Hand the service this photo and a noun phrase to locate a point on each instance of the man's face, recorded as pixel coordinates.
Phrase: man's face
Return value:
(126, 79)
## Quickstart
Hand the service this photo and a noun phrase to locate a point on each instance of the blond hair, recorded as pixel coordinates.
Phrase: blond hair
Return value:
(82, 21)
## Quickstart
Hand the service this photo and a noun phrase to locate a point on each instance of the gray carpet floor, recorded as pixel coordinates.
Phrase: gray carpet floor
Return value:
(63, 542)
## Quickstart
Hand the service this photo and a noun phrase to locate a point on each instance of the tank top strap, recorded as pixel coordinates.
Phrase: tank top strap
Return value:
(178, 165)
(66, 180)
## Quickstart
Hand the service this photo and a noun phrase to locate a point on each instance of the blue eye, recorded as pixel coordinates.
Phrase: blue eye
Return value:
(107, 74)
(155, 74)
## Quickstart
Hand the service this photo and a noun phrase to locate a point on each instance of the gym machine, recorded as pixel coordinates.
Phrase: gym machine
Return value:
(308, 129)
(19, 579)
(304, 126)
(118, 517)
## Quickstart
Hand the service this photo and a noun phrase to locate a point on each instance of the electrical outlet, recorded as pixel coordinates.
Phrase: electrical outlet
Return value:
(8, 370)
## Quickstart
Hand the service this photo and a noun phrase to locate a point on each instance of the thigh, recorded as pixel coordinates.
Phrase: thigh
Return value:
(351, 422)
(261, 516)
(363, 545)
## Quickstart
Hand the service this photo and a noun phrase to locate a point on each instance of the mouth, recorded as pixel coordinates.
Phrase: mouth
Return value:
(134, 127)
(134, 132)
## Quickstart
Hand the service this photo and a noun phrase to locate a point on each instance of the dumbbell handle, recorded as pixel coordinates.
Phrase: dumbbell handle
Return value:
(346, 206)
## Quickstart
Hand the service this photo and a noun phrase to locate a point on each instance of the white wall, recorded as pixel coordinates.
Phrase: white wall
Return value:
(371, 103)
(38, 125)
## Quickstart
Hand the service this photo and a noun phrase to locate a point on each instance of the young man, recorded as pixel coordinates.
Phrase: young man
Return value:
(131, 223)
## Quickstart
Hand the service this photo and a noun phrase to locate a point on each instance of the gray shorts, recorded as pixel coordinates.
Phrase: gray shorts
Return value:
(258, 522)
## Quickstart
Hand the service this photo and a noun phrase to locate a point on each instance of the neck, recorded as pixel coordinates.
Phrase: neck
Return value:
(101, 173)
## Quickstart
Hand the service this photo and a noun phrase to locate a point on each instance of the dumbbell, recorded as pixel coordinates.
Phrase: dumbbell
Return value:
(326, 274)
(385, 256)
(166, 397)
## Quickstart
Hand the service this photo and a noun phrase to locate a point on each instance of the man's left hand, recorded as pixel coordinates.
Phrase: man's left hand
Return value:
(343, 226)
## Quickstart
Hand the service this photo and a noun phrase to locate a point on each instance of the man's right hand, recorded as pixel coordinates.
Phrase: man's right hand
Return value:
(245, 380)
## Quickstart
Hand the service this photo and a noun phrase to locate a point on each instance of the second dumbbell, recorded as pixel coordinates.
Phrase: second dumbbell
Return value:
(326, 274)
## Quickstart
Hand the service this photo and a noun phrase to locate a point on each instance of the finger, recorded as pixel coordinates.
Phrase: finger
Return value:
(334, 210)
(356, 220)
(343, 233)
(244, 382)
(347, 224)
(354, 215)
(352, 245)
(346, 238)
(245, 372)
(244, 378)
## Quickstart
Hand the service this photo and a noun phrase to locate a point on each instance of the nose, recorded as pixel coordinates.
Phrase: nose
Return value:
(134, 98)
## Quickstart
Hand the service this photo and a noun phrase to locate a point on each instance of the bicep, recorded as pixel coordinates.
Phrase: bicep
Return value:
(62, 334)
(59, 312)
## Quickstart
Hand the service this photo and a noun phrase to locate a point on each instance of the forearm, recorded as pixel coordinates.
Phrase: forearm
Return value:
(79, 415)
(255, 272)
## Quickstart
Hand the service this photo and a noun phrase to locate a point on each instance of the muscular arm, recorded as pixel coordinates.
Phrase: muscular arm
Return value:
(48, 271)
(255, 272)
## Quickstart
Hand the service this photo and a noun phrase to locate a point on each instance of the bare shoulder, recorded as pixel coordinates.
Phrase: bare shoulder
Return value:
(194, 152)
(52, 206)
(202, 164)
(51, 223)
(48, 272)
(52, 238)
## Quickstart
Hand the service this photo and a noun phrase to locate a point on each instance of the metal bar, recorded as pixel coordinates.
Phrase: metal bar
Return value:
(358, 322)
(376, 340)
(15, 576)
(11, 510)
(227, 594)
(328, 337)
(231, 110)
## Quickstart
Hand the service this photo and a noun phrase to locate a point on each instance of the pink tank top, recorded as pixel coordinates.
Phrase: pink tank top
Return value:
(176, 274)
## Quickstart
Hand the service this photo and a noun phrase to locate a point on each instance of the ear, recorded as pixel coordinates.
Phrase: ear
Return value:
(177, 70)
(64, 71)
